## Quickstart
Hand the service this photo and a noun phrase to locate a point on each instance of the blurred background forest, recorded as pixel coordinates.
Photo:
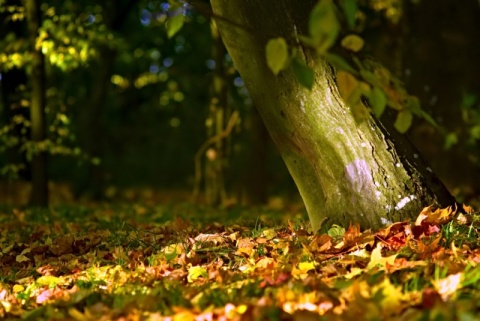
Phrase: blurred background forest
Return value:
(137, 112)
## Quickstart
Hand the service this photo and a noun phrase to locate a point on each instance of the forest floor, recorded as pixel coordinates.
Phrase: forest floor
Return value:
(184, 262)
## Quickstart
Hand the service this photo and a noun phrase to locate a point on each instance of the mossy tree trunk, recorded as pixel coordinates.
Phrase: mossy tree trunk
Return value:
(39, 169)
(346, 172)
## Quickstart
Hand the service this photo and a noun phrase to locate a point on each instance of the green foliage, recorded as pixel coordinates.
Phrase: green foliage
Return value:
(304, 74)
(378, 101)
(323, 26)
(403, 121)
(369, 79)
(350, 9)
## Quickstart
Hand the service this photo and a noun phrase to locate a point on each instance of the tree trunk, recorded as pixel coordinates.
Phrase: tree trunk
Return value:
(345, 172)
(39, 194)
(92, 120)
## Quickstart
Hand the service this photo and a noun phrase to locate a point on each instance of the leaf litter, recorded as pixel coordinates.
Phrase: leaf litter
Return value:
(182, 264)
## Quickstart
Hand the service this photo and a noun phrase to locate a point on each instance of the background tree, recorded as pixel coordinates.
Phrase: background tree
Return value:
(38, 156)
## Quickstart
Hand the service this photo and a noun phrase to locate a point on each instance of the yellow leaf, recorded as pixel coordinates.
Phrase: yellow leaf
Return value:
(184, 316)
(392, 296)
(265, 263)
(377, 260)
(353, 273)
(21, 258)
(301, 271)
(48, 280)
(173, 249)
(353, 43)
(306, 266)
(269, 233)
(347, 83)
(195, 272)
(277, 54)
(7, 306)
(18, 288)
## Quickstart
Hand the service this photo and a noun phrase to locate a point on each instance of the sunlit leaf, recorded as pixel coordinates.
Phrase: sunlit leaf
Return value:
(378, 260)
(174, 22)
(306, 266)
(304, 74)
(403, 121)
(18, 288)
(301, 271)
(277, 54)
(196, 272)
(269, 233)
(391, 296)
(323, 25)
(49, 280)
(448, 286)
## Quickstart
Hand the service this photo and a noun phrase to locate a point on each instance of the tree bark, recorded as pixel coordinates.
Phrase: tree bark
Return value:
(345, 172)
(39, 196)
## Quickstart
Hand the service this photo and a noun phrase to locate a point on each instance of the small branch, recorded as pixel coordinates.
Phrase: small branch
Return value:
(206, 12)
(210, 141)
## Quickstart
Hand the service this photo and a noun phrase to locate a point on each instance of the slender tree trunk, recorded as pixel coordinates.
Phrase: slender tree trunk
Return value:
(256, 177)
(94, 139)
(39, 195)
(215, 164)
(93, 135)
(345, 172)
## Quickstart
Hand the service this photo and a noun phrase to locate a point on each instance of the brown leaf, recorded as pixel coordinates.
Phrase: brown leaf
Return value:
(320, 243)
(62, 245)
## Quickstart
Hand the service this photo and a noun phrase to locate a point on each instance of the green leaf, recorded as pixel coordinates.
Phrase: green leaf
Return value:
(369, 77)
(403, 121)
(378, 101)
(450, 140)
(304, 74)
(339, 62)
(323, 25)
(475, 132)
(174, 22)
(336, 232)
(34, 314)
(277, 54)
(413, 104)
(350, 9)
